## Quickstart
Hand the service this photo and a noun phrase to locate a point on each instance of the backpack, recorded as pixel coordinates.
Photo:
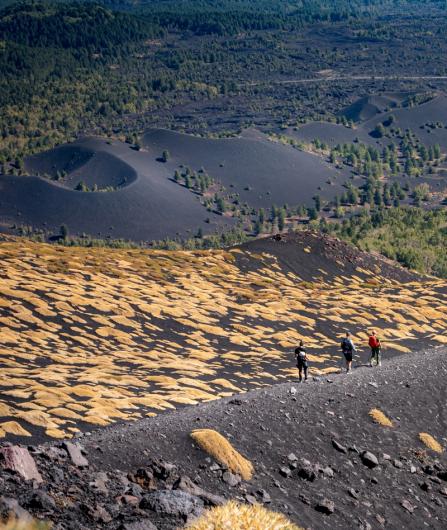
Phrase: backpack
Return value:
(346, 345)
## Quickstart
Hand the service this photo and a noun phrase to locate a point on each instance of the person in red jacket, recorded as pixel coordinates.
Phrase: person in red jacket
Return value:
(374, 344)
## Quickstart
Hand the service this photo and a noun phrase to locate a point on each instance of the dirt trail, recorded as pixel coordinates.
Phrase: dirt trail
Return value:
(336, 79)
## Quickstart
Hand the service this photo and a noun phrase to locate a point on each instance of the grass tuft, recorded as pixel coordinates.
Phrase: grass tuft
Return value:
(221, 450)
(379, 417)
(430, 442)
(236, 516)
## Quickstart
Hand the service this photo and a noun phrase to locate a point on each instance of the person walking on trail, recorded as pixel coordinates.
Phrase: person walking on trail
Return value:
(348, 348)
(301, 361)
(374, 344)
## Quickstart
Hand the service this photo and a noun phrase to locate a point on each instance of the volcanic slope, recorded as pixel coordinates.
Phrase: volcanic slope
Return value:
(427, 120)
(364, 451)
(136, 198)
(94, 336)
(262, 172)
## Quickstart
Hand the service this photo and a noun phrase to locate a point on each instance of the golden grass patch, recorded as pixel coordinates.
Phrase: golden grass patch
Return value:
(221, 450)
(430, 442)
(379, 417)
(12, 427)
(235, 516)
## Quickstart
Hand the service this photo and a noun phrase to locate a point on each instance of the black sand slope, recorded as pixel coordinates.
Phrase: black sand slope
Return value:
(428, 121)
(331, 134)
(307, 443)
(262, 172)
(146, 205)
(366, 108)
(419, 119)
(95, 336)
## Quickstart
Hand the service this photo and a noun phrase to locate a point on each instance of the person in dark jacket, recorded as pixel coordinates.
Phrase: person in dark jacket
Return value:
(301, 361)
(348, 348)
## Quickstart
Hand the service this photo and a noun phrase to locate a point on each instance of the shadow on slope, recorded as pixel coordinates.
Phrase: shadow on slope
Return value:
(95, 336)
(149, 207)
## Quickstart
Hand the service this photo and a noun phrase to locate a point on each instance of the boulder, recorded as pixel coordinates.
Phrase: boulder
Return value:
(307, 471)
(18, 459)
(74, 452)
(325, 506)
(188, 486)
(175, 503)
(369, 459)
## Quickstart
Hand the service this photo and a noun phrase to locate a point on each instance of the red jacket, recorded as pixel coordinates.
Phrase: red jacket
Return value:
(374, 342)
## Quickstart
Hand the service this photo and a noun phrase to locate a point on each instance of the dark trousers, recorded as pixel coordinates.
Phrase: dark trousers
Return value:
(375, 354)
(302, 367)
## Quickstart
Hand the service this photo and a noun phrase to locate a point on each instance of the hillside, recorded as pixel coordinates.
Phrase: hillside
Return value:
(119, 192)
(318, 456)
(95, 336)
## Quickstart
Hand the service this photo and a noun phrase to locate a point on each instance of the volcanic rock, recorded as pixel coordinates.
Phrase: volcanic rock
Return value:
(369, 459)
(325, 506)
(74, 452)
(176, 503)
(18, 459)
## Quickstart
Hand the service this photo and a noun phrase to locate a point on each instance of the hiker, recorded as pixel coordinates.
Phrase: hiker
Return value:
(301, 361)
(348, 348)
(374, 344)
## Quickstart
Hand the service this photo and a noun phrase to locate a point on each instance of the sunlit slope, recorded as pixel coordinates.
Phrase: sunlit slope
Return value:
(93, 336)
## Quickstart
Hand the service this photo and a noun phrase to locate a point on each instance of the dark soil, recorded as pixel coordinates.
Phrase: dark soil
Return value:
(306, 441)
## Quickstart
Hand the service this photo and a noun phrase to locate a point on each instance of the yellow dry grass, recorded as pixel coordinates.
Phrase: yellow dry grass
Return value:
(103, 338)
(430, 442)
(234, 516)
(221, 450)
(379, 417)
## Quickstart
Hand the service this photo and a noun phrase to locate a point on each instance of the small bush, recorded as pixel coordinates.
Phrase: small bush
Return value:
(220, 448)
(233, 516)
(430, 442)
(379, 417)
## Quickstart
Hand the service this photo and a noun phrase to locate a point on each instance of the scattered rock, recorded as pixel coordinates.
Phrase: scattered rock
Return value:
(74, 452)
(381, 520)
(251, 499)
(369, 459)
(231, 479)
(265, 497)
(398, 464)
(306, 471)
(325, 506)
(339, 447)
(328, 472)
(100, 514)
(406, 504)
(292, 458)
(18, 459)
(187, 485)
(176, 503)
(353, 493)
(41, 501)
(285, 471)
(425, 486)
